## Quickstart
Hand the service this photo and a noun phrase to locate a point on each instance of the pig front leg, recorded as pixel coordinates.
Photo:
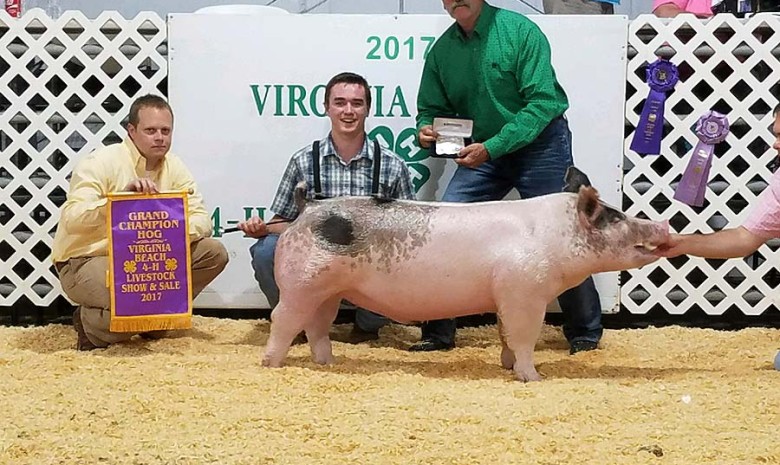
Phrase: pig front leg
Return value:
(318, 329)
(521, 323)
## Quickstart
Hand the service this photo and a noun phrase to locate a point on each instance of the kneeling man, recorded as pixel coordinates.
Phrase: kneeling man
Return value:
(141, 163)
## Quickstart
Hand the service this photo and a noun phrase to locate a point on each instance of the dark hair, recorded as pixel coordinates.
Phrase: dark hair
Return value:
(348, 78)
(148, 100)
(776, 110)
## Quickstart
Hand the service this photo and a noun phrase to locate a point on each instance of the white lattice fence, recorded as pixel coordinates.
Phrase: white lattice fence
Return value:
(65, 87)
(731, 66)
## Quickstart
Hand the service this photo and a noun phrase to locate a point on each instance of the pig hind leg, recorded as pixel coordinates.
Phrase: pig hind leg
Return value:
(507, 356)
(288, 319)
(521, 324)
(318, 328)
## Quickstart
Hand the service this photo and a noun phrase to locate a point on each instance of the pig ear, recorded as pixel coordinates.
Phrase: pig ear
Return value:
(589, 209)
(574, 179)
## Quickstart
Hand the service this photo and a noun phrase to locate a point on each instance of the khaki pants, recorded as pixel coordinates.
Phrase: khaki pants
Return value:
(84, 281)
(577, 7)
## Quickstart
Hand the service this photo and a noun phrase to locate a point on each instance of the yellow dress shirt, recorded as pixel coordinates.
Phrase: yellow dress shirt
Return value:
(82, 229)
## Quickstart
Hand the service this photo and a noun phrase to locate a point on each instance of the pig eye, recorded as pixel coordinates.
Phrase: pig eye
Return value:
(614, 217)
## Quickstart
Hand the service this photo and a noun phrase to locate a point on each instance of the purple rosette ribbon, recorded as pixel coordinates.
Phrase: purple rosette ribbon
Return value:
(661, 77)
(712, 128)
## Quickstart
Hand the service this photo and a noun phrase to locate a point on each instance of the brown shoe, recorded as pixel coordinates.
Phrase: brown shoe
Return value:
(357, 335)
(83, 342)
(300, 339)
(154, 335)
(430, 345)
(582, 346)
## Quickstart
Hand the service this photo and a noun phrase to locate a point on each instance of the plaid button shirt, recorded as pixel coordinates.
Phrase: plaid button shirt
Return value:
(340, 179)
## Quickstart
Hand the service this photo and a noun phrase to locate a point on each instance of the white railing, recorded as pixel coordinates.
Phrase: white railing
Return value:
(728, 65)
(65, 86)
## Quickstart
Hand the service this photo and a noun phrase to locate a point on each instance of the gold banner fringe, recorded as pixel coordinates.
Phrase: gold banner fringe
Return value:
(155, 323)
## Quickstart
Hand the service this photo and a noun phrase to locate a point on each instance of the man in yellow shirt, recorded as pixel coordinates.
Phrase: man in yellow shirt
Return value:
(141, 163)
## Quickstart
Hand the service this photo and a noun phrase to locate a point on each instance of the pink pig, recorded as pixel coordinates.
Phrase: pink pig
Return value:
(414, 261)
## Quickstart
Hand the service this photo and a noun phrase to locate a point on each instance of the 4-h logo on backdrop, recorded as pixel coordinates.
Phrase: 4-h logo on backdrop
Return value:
(405, 145)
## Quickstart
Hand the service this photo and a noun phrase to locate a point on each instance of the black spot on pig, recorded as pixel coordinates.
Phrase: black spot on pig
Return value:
(336, 230)
(375, 231)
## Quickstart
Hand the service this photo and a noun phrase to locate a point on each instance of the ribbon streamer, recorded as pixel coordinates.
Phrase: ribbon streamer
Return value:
(712, 128)
(661, 77)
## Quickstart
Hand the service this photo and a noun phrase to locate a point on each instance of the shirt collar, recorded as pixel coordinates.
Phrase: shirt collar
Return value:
(329, 149)
(138, 160)
(135, 155)
(483, 22)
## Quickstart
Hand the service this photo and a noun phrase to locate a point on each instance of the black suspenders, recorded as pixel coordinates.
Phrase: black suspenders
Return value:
(377, 168)
(315, 158)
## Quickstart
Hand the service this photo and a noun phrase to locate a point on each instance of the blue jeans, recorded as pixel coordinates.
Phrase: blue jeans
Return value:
(262, 253)
(536, 169)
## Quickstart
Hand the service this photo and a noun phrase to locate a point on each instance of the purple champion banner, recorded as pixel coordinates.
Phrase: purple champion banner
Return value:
(150, 263)
(661, 77)
(711, 129)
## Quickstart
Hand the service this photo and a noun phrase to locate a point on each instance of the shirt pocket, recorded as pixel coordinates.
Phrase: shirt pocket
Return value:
(502, 78)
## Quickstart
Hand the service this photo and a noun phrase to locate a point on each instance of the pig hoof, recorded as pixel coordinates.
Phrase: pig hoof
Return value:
(507, 359)
(271, 363)
(527, 375)
(326, 360)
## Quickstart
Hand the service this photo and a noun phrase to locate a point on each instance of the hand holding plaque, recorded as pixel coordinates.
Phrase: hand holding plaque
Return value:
(453, 135)
(661, 77)
(711, 129)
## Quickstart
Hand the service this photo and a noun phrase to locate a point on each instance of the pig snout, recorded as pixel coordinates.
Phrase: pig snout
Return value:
(655, 235)
(644, 237)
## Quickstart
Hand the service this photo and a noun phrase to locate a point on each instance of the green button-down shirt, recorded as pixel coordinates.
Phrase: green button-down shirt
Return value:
(501, 77)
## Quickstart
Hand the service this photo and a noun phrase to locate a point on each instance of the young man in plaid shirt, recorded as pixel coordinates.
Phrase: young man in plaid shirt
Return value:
(345, 164)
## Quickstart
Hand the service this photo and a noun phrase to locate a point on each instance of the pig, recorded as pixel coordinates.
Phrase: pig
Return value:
(414, 261)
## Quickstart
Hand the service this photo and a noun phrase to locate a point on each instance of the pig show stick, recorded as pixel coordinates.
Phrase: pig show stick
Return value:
(280, 220)
(129, 193)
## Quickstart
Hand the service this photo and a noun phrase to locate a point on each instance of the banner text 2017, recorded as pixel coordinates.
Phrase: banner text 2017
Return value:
(392, 48)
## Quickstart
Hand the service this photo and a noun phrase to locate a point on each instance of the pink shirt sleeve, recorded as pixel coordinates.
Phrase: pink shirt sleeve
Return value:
(701, 8)
(679, 3)
(764, 219)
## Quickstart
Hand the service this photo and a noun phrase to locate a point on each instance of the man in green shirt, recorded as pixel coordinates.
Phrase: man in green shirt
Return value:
(493, 66)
